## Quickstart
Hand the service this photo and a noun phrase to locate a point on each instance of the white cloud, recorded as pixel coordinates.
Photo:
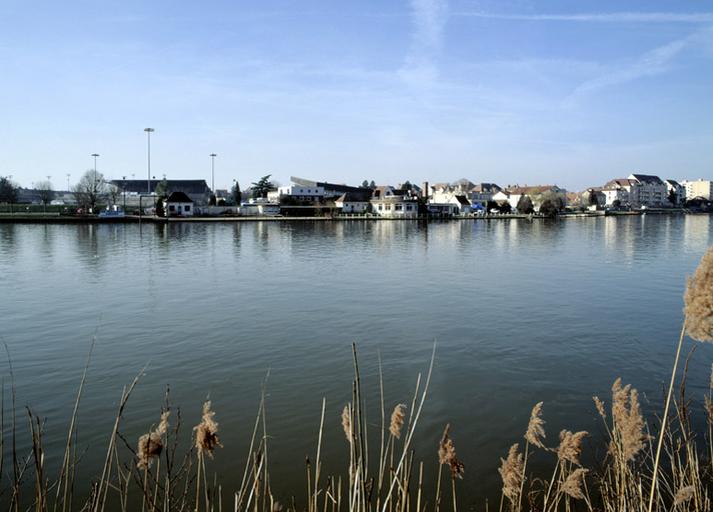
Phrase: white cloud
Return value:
(429, 19)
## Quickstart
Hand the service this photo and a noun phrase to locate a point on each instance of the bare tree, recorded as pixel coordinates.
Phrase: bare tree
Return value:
(90, 189)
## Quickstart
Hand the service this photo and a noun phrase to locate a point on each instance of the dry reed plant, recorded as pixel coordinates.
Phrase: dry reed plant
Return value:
(535, 433)
(699, 300)
(150, 445)
(698, 321)
(207, 431)
(511, 470)
(397, 420)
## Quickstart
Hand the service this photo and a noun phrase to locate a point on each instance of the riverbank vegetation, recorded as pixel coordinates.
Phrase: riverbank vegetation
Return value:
(643, 463)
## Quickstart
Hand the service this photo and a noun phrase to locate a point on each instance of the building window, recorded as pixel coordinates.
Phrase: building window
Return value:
(408, 207)
(187, 208)
(388, 207)
(171, 208)
(398, 207)
(380, 207)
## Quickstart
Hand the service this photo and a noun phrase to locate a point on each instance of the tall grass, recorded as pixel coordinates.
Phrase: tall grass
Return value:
(643, 468)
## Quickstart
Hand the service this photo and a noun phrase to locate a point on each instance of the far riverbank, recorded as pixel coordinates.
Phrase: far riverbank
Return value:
(53, 218)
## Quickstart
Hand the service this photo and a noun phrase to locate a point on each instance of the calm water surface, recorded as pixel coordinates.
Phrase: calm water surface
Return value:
(522, 312)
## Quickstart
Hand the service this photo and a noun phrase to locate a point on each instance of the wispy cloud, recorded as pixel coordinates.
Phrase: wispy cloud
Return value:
(654, 62)
(429, 19)
(608, 17)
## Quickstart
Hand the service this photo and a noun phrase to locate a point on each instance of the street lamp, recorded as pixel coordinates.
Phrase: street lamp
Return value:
(123, 191)
(148, 131)
(95, 155)
(212, 172)
(68, 175)
(95, 187)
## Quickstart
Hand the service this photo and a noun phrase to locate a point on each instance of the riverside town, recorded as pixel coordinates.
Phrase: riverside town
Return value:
(98, 198)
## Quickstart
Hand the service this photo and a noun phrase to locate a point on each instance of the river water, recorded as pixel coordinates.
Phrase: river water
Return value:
(521, 312)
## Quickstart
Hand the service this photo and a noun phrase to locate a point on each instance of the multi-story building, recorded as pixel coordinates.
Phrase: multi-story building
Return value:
(698, 188)
(675, 191)
(649, 191)
(618, 192)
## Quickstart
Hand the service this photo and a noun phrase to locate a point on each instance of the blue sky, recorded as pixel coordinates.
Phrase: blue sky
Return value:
(573, 93)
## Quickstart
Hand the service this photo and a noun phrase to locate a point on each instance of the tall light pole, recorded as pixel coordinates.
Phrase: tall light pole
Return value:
(212, 172)
(68, 175)
(95, 155)
(148, 131)
(95, 188)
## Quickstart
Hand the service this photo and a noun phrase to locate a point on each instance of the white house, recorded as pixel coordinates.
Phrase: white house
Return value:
(448, 203)
(389, 202)
(353, 202)
(618, 190)
(260, 206)
(304, 193)
(178, 204)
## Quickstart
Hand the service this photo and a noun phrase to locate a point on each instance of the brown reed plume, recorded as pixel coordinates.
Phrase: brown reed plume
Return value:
(535, 428)
(628, 421)
(684, 495)
(698, 321)
(207, 432)
(570, 446)
(150, 445)
(397, 420)
(572, 485)
(698, 300)
(347, 423)
(511, 470)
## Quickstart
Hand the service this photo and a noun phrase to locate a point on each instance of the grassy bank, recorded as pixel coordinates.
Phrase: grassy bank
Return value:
(654, 462)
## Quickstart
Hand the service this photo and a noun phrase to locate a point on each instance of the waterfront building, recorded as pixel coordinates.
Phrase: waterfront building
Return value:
(178, 204)
(329, 190)
(448, 203)
(649, 191)
(698, 189)
(353, 202)
(536, 194)
(482, 193)
(197, 190)
(312, 193)
(672, 186)
(387, 201)
(618, 191)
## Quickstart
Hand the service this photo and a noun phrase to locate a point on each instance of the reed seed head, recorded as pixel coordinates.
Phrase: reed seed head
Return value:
(447, 455)
(570, 446)
(684, 495)
(397, 420)
(207, 432)
(535, 429)
(572, 485)
(698, 300)
(150, 445)
(347, 423)
(600, 407)
(628, 421)
(511, 470)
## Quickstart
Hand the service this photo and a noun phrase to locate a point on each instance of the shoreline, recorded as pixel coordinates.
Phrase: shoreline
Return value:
(135, 219)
